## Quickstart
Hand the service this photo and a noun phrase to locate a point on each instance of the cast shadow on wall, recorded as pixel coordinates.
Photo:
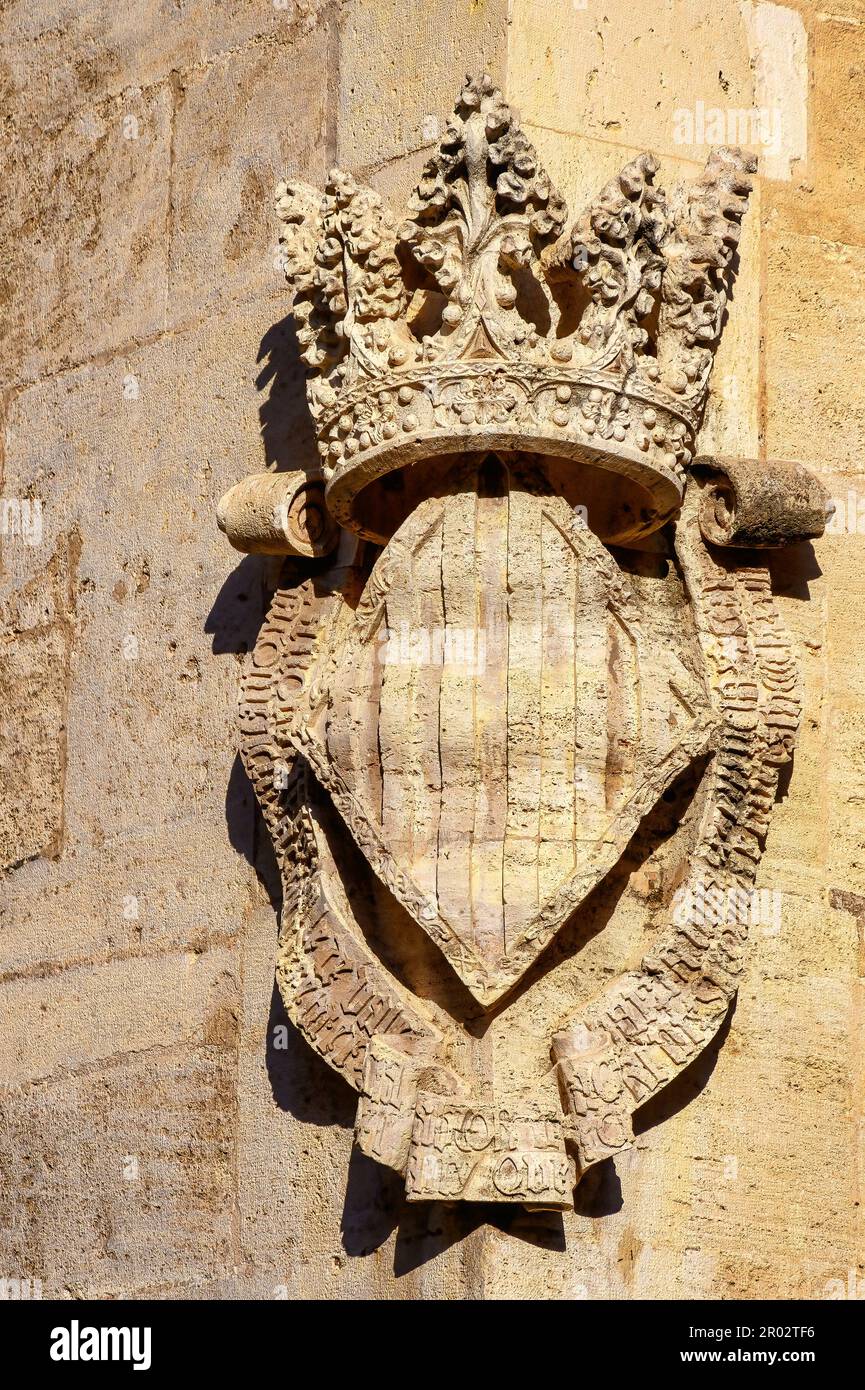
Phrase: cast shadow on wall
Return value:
(234, 621)
(301, 1082)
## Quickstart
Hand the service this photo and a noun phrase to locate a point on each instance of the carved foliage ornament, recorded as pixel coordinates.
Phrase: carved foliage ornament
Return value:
(479, 689)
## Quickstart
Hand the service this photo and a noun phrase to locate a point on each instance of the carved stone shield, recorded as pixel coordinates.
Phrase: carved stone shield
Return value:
(511, 619)
(502, 712)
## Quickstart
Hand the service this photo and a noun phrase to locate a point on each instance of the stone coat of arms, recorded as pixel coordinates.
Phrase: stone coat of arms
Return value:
(465, 683)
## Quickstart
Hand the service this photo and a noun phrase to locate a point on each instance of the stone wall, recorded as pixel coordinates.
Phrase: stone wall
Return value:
(164, 1131)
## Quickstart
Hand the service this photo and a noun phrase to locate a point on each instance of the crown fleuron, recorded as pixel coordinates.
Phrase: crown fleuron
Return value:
(481, 323)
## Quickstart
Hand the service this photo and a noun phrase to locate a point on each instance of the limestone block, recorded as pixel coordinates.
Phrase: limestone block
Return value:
(399, 56)
(161, 627)
(845, 750)
(58, 64)
(584, 69)
(136, 893)
(93, 1014)
(241, 123)
(85, 222)
(826, 195)
(397, 180)
(842, 556)
(580, 165)
(36, 635)
(778, 46)
(814, 317)
(119, 1179)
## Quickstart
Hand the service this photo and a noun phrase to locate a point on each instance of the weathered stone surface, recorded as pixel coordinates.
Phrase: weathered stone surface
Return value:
(407, 78)
(134, 893)
(826, 196)
(576, 70)
(778, 49)
(155, 275)
(225, 168)
(815, 307)
(55, 68)
(126, 1005)
(85, 224)
(134, 1162)
(37, 625)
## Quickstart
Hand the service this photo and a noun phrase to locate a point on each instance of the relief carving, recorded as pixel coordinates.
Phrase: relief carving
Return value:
(465, 685)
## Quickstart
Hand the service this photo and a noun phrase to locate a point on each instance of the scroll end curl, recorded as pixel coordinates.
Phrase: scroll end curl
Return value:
(759, 504)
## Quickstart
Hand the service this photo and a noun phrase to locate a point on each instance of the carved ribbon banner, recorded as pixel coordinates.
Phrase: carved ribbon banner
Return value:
(467, 697)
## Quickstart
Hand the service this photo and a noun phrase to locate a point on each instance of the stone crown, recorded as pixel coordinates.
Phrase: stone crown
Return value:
(481, 322)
